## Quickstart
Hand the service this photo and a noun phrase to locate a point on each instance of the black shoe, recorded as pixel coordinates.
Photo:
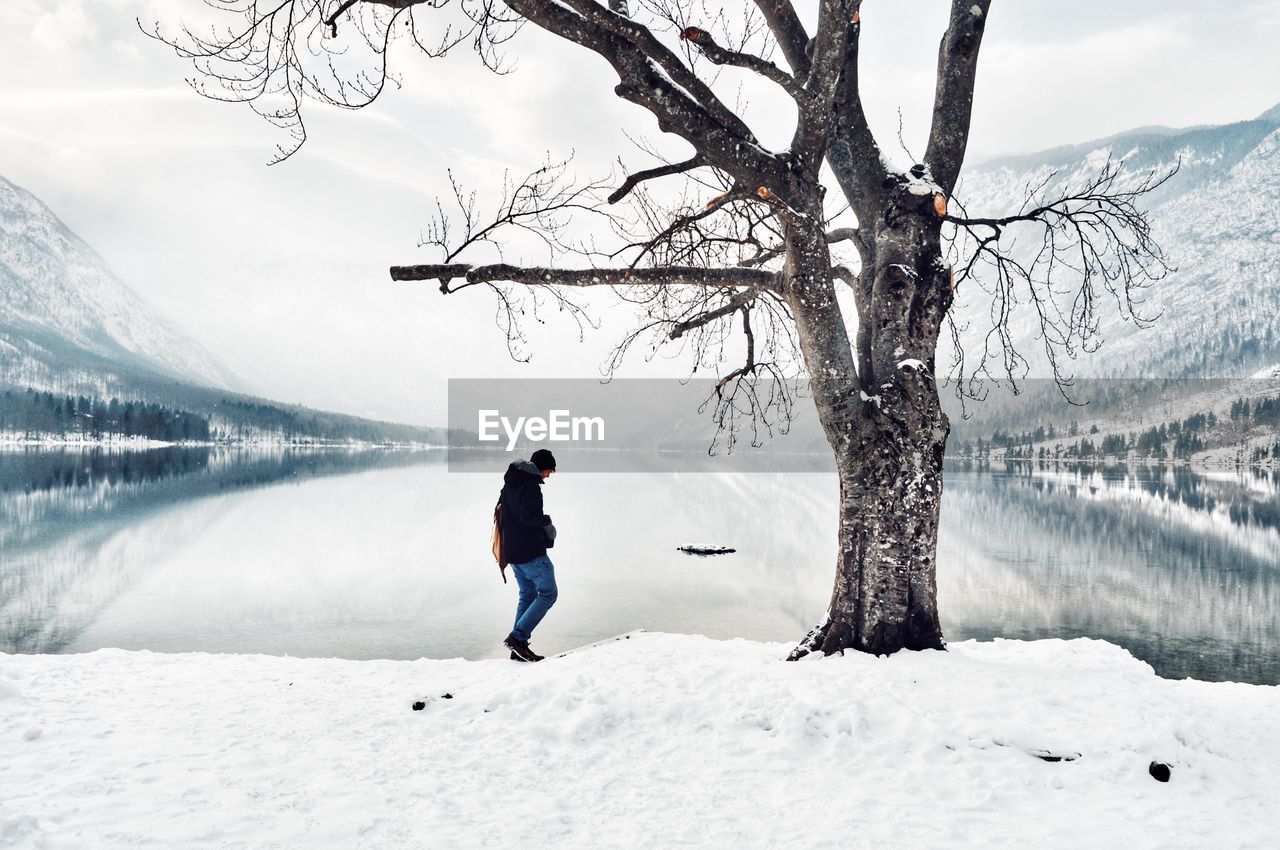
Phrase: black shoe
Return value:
(515, 657)
(520, 648)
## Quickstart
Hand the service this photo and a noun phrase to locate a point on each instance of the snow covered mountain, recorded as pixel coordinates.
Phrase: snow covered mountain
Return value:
(67, 323)
(1218, 220)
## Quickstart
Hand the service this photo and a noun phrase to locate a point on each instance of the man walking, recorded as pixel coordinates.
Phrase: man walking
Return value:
(527, 533)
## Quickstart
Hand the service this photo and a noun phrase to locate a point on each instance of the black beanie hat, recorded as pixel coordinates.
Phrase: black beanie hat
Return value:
(544, 460)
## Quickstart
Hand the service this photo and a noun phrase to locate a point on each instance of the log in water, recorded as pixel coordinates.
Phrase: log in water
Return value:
(706, 550)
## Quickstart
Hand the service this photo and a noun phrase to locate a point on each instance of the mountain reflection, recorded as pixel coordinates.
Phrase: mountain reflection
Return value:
(68, 541)
(1180, 567)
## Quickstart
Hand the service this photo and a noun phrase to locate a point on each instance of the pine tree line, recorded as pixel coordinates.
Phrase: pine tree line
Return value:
(35, 413)
(1176, 440)
(238, 420)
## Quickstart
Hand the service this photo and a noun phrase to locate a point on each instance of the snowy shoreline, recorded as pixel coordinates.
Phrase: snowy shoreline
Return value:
(1216, 461)
(658, 741)
(10, 440)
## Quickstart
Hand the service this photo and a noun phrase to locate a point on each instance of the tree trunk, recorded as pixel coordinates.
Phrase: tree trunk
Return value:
(888, 449)
(885, 593)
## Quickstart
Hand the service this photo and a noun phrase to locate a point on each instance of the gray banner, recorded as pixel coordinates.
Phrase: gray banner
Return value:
(661, 425)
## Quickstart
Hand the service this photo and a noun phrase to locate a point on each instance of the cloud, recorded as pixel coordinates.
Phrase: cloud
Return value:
(92, 97)
(17, 15)
(64, 29)
(1107, 51)
(128, 50)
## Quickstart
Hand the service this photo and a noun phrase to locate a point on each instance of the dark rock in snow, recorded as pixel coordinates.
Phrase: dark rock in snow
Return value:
(419, 705)
(1159, 771)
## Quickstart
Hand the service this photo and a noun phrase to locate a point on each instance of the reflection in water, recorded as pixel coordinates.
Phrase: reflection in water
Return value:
(1181, 568)
(194, 551)
(73, 530)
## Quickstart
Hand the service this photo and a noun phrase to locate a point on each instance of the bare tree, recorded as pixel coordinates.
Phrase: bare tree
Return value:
(752, 243)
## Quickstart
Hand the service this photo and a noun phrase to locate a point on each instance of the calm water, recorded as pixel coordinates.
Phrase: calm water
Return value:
(385, 555)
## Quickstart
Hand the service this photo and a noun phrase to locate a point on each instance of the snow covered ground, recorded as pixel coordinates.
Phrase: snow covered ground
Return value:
(657, 741)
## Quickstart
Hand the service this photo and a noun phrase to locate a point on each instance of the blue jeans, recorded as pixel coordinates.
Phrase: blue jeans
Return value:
(537, 583)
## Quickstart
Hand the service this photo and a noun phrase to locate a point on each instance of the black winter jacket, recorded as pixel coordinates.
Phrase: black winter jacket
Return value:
(525, 532)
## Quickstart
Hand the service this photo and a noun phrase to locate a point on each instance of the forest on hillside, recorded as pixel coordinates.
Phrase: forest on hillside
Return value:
(38, 413)
(27, 413)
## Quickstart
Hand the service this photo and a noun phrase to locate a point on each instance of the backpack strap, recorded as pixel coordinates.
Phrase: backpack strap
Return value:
(499, 554)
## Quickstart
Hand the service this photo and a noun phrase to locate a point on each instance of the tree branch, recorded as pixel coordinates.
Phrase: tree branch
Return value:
(789, 32)
(853, 154)
(750, 365)
(845, 275)
(702, 39)
(837, 22)
(641, 38)
(1085, 243)
(736, 302)
(839, 234)
(646, 79)
(332, 20)
(667, 170)
(953, 99)
(547, 276)
(682, 222)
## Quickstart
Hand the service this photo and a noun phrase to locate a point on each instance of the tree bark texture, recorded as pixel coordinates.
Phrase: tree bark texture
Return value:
(888, 439)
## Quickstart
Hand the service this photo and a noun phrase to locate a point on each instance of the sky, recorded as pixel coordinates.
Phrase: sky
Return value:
(280, 270)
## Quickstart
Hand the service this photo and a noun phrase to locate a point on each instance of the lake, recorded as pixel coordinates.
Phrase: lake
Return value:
(384, 554)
